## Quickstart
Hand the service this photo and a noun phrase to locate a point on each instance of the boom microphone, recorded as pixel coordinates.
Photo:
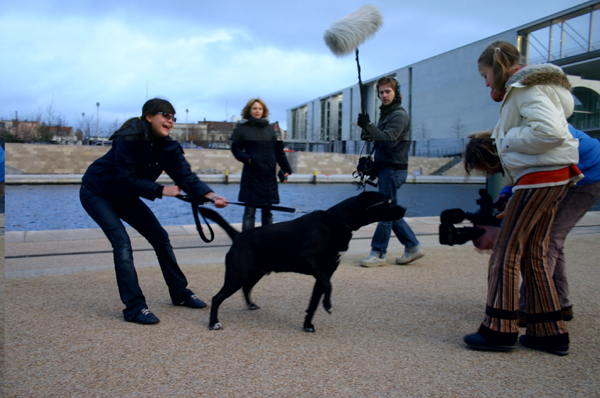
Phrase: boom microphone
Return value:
(347, 33)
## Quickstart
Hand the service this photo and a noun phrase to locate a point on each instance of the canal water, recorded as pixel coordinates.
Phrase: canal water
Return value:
(53, 207)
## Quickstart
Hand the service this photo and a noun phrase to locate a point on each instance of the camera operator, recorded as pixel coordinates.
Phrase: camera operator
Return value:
(533, 146)
(579, 199)
(391, 136)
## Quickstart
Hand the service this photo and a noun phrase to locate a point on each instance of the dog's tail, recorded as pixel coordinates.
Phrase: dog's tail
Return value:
(216, 217)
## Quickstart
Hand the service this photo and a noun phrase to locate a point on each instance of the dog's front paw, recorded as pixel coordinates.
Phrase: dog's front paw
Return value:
(328, 308)
(253, 306)
(309, 328)
(216, 326)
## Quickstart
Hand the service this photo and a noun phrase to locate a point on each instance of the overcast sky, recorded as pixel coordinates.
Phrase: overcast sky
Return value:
(211, 57)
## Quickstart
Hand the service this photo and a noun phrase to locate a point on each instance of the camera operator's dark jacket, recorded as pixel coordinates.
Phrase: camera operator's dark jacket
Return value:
(256, 139)
(135, 161)
(391, 137)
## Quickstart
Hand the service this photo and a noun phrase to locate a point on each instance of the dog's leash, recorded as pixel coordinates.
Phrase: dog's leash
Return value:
(195, 211)
(269, 207)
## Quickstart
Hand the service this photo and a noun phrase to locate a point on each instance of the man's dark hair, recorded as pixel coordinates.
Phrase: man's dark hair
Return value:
(392, 82)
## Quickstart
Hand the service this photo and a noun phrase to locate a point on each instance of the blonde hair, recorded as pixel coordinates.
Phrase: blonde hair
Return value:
(500, 56)
(246, 110)
(481, 151)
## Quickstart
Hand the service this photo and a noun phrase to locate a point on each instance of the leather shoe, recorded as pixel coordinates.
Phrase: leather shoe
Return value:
(193, 302)
(145, 317)
(479, 342)
(560, 350)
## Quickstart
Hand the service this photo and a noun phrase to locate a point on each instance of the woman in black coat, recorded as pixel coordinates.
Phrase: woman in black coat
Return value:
(255, 145)
(111, 190)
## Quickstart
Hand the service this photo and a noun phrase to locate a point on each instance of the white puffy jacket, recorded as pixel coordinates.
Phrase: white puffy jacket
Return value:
(532, 134)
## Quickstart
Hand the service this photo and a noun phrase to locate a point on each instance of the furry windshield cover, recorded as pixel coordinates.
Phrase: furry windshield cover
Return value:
(347, 33)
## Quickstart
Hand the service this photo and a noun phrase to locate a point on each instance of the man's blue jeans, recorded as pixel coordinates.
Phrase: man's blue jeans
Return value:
(388, 184)
(108, 213)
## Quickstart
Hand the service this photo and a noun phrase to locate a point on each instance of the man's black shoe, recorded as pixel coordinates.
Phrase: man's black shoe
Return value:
(193, 302)
(479, 342)
(560, 350)
(145, 317)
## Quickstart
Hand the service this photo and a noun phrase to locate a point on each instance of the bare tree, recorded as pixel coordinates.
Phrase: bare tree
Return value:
(458, 128)
(419, 132)
(84, 126)
(53, 125)
(108, 128)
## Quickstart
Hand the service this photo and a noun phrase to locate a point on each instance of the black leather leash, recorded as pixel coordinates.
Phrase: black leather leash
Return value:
(269, 207)
(195, 211)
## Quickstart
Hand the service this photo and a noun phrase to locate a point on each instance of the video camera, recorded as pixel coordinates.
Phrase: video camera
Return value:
(366, 171)
(450, 235)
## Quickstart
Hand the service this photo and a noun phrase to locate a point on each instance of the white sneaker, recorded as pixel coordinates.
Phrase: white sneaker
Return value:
(409, 256)
(373, 261)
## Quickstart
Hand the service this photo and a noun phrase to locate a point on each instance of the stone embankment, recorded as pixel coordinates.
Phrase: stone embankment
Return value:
(66, 159)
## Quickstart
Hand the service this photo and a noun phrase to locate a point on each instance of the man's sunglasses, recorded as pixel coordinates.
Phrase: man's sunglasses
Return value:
(167, 116)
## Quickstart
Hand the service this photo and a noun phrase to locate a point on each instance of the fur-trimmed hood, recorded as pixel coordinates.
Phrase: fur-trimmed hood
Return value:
(539, 74)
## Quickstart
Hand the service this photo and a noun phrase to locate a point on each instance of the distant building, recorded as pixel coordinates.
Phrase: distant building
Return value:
(447, 98)
(62, 134)
(209, 131)
(21, 130)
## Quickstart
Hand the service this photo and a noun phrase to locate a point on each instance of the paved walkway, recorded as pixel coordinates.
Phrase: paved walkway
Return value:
(394, 331)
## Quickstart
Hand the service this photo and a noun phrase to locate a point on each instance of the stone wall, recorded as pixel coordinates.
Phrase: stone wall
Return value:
(66, 159)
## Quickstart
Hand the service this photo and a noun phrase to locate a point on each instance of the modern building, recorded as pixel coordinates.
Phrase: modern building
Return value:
(445, 95)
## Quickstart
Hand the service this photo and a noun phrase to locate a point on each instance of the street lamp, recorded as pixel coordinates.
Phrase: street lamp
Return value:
(186, 124)
(98, 121)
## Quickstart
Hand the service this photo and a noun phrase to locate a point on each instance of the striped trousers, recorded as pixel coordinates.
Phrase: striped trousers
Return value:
(522, 244)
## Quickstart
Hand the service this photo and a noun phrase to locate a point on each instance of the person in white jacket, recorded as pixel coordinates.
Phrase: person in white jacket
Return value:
(531, 143)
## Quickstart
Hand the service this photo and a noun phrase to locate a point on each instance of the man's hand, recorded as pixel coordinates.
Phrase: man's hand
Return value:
(171, 190)
(365, 135)
(363, 120)
(486, 241)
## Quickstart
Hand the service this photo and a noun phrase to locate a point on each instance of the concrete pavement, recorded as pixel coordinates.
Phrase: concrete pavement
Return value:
(394, 331)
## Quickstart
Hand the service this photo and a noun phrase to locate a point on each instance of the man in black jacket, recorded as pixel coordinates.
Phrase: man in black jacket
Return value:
(391, 136)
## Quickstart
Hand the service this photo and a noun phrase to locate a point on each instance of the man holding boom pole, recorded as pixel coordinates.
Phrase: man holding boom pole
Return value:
(391, 136)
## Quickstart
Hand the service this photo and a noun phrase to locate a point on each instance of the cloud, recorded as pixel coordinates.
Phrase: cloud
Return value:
(205, 73)
(211, 57)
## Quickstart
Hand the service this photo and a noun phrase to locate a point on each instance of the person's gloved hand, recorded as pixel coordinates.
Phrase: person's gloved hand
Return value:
(363, 120)
(365, 135)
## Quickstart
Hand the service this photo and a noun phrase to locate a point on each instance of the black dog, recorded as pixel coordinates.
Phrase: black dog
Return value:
(310, 245)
